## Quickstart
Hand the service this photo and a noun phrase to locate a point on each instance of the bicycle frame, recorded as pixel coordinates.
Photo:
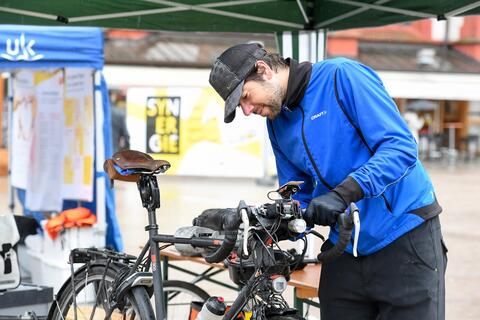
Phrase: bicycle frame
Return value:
(139, 167)
(150, 195)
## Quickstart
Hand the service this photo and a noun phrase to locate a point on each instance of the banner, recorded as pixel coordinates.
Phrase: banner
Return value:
(53, 136)
(163, 125)
(23, 118)
(47, 47)
(44, 171)
(78, 131)
(184, 125)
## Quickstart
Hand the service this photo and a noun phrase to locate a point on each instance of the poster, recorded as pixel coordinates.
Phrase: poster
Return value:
(163, 125)
(78, 135)
(45, 165)
(23, 118)
(184, 125)
(53, 136)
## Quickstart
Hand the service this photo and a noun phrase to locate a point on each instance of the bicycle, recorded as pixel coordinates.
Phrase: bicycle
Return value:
(110, 284)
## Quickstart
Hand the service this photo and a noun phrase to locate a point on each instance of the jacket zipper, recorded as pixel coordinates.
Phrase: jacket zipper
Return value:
(310, 155)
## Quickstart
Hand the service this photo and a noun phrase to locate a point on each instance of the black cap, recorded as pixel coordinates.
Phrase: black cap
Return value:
(229, 72)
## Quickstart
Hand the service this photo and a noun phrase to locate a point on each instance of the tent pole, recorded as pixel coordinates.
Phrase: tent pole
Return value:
(346, 15)
(405, 12)
(461, 10)
(162, 10)
(29, 13)
(99, 154)
(310, 46)
(11, 201)
(205, 8)
(322, 41)
(302, 10)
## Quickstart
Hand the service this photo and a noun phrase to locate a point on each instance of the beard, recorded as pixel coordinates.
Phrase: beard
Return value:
(274, 101)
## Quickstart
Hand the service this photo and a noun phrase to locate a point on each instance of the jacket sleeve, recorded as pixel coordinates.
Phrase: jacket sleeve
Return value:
(287, 171)
(378, 122)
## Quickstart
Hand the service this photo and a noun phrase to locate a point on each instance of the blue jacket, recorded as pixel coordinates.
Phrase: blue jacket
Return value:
(346, 125)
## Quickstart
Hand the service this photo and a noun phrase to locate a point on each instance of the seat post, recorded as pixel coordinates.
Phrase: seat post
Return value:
(150, 195)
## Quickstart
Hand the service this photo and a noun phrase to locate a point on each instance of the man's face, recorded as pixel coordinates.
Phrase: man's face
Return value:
(262, 98)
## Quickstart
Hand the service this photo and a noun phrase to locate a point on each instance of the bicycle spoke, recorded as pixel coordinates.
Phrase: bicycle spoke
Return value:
(98, 294)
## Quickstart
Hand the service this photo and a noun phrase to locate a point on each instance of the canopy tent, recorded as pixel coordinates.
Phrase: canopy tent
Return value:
(230, 16)
(42, 48)
(306, 19)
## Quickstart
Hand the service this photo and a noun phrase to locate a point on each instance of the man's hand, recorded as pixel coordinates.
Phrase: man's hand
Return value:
(214, 218)
(324, 210)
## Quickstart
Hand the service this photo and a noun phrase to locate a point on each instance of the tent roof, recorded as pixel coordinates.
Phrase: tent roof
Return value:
(230, 16)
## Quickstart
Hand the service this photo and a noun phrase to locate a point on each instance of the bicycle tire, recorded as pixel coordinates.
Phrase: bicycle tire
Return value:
(180, 295)
(136, 304)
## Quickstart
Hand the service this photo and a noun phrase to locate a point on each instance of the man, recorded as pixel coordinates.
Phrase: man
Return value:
(333, 125)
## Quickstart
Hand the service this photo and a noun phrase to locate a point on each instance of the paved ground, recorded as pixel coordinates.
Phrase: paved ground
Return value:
(458, 190)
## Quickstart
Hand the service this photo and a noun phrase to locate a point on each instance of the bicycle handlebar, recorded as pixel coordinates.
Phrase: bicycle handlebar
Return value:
(230, 220)
(230, 223)
(346, 222)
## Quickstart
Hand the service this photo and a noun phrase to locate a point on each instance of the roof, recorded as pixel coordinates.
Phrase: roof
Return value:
(397, 32)
(388, 56)
(199, 50)
(175, 49)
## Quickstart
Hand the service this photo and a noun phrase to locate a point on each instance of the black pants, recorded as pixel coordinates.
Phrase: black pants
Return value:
(405, 280)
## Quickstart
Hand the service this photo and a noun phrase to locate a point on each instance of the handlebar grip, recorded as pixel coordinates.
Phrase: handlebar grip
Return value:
(230, 223)
(224, 250)
(345, 222)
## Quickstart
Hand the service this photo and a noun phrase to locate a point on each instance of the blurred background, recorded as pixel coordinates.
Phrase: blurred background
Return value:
(161, 103)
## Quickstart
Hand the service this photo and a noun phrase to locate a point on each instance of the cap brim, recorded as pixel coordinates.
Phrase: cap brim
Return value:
(232, 102)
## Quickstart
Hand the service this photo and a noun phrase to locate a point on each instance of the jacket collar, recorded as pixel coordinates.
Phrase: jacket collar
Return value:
(298, 79)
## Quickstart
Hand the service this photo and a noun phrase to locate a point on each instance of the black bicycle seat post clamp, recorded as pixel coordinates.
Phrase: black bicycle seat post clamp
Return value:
(149, 192)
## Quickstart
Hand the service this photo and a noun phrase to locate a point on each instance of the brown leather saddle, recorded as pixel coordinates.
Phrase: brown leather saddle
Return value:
(134, 163)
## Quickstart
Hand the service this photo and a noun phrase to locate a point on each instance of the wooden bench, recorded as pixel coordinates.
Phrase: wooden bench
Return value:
(305, 285)
(304, 282)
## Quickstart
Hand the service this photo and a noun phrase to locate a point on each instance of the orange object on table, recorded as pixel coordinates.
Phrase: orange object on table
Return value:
(77, 217)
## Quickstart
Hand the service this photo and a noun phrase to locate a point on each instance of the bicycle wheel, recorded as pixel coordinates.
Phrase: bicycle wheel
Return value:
(180, 295)
(91, 298)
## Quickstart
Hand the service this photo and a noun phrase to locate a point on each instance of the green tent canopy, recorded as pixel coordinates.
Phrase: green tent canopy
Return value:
(260, 16)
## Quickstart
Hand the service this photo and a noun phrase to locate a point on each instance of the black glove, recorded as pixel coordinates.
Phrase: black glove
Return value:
(324, 210)
(214, 218)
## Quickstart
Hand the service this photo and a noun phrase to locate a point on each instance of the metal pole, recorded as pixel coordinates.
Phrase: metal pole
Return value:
(11, 202)
(99, 182)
